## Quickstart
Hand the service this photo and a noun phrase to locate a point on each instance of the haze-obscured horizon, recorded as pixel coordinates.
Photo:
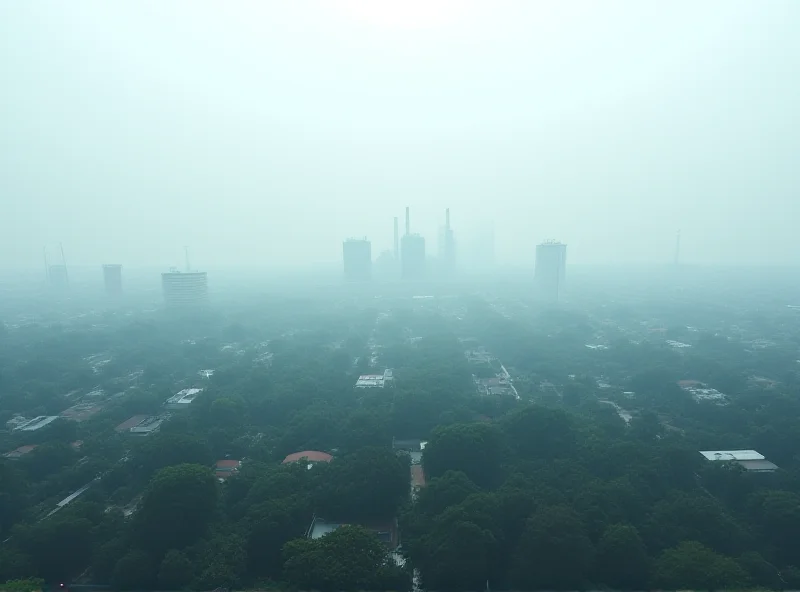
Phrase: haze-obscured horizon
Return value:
(270, 131)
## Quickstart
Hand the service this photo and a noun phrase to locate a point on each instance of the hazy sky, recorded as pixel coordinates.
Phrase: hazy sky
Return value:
(271, 130)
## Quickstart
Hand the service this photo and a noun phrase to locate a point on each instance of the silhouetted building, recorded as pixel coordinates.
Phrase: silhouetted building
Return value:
(57, 277)
(550, 272)
(447, 247)
(357, 257)
(412, 253)
(112, 277)
(184, 289)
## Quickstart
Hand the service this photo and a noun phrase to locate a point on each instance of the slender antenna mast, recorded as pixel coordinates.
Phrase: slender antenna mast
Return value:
(186, 249)
(678, 248)
(64, 262)
(46, 266)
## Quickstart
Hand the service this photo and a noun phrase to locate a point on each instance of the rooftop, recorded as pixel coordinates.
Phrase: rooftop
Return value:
(19, 452)
(126, 425)
(375, 380)
(81, 411)
(184, 397)
(750, 460)
(417, 476)
(226, 468)
(147, 425)
(36, 423)
(308, 455)
(228, 465)
(732, 455)
(387, 533)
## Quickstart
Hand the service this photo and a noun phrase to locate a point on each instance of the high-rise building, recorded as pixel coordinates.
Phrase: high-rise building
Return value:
(447, 252)
(112, 277)
(357, 257)
(184, 288)
(412, 253)
(550, 271)
(57, 277)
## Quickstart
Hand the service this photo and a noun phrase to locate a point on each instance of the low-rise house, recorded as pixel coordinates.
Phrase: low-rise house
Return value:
(147, 426)
(36, 423)
(226, 468)
(19, 452)
(386, 532)
(126, 425)
(182, 399)
(310, 457)
(417, 479)
(375, 380)
(750, 460)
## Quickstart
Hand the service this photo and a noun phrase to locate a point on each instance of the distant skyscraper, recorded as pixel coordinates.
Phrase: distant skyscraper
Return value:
(357, 257)
(184, 289)
(551, 267)
(57, 277)
(412, 253)
(448, 247)
(112, 277)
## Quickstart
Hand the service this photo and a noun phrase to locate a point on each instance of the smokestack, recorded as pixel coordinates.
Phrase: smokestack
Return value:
(408, 220)
(396, 238)
(447, 218)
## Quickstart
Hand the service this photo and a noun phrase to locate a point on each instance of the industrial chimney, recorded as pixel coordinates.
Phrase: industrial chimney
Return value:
(408, 220)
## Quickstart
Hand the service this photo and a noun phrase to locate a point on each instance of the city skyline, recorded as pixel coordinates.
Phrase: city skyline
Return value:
(488, 112)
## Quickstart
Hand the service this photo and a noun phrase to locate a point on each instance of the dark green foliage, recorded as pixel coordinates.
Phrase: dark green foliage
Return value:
(178, 506)
(554, 552)
(176, 571)
(476, 449)
(621, 560)
(563, 494)
(692, 565)
(367, 485)
(350, 558)
(135, 571)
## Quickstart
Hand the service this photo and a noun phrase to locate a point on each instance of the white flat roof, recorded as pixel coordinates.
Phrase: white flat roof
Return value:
(37, 422)
(732, 455)
(185, 396)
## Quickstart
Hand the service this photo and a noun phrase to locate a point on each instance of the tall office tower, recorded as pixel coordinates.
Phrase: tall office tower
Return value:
(57, 277)
(184, 289)
(412, 253)
(112, 277)
(357, 257)
(551, 267)
(448, 254)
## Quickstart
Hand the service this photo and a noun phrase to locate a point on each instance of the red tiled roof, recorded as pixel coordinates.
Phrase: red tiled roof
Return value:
(21, 451)
(228, 464)
(309, 455)
(417, 476)
(130, 423)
